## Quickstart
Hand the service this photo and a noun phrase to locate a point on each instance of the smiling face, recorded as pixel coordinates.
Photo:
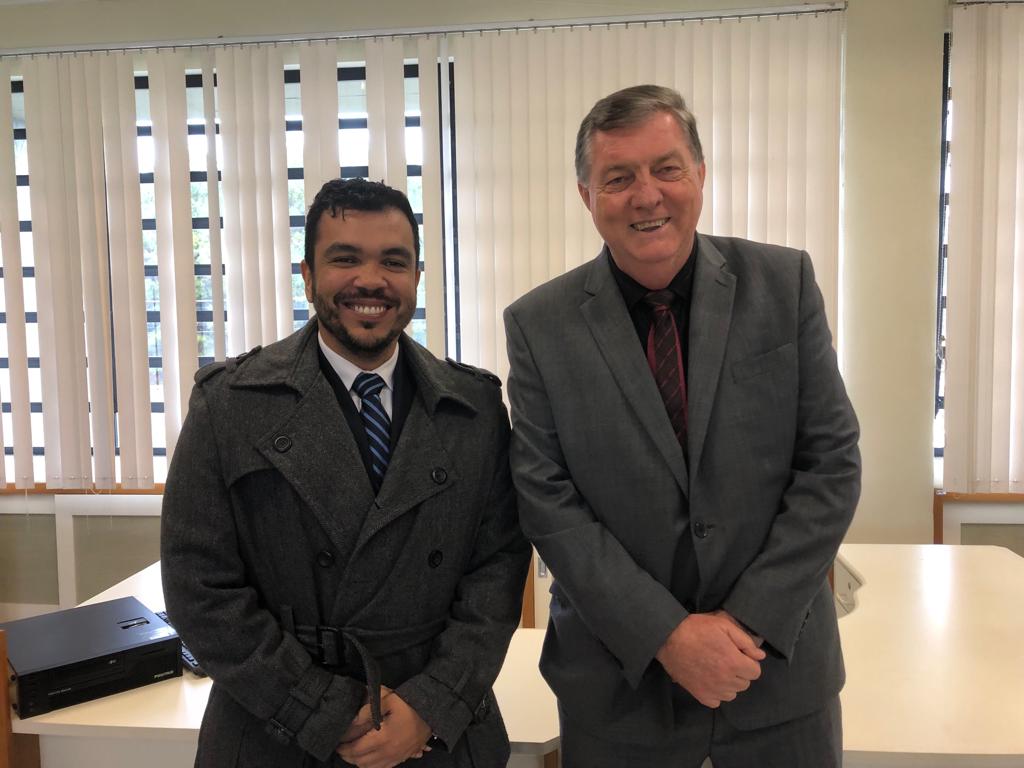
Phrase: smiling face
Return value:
(645, 194)
(363, 286)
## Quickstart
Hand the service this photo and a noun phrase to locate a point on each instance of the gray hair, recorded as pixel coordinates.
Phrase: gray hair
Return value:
(627, 108)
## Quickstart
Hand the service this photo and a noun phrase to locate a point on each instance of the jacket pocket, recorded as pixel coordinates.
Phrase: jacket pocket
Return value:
(764, 363)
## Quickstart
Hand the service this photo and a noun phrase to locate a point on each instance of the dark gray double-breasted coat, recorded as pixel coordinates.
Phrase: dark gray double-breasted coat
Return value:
(271, 528)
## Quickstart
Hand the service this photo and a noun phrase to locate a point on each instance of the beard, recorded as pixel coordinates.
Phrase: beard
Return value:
(368, 347)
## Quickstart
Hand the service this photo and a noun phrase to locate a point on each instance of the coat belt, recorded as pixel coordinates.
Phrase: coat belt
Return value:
(354, 647)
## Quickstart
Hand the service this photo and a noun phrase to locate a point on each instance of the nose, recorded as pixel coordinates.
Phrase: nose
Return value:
(646, 192)
(370, 277)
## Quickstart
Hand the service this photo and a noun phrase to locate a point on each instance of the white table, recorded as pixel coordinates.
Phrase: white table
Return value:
(157, 725)
(934, 655)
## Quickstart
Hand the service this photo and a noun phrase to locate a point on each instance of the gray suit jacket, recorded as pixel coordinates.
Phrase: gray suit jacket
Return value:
(773, 479)
(269, 518)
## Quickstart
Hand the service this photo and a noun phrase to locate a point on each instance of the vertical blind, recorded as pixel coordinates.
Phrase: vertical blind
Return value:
(765, 91)
(985, 296)
(81, 122)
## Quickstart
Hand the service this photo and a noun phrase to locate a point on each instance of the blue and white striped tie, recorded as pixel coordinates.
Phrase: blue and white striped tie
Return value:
(377, 424)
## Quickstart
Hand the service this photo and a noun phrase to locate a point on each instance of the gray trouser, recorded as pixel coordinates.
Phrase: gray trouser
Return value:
(813, 741)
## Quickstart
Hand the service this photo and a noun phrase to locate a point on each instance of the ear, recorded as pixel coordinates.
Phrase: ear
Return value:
(307, 278)
(585, 194)
(701, 171)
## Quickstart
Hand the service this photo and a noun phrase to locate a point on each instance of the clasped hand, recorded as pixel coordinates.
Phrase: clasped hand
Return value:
(712, 657)
(403, 735)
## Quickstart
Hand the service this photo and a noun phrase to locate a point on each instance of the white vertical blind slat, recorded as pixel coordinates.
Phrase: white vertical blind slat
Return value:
(213, 207)
(264, 193)
(467, 202)
(20, 437)
(228, 87)
(278, 278)
(128, 294)
(385, 106)
(433, 224)
(95, 266)
(175, 256)
(318, 64)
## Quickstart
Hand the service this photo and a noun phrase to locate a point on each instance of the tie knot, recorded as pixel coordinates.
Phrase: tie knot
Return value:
(658, 300)
(367, 385)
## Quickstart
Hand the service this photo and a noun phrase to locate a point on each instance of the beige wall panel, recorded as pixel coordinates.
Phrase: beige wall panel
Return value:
(892, 125)
(109, 549)
(1009, 536)
(28, 559)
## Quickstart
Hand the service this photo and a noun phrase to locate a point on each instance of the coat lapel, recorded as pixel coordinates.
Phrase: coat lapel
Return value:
(714, 287)
(609, 322)
(310, 443)
(420, 466)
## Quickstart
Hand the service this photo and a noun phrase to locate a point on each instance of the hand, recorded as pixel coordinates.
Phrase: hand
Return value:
(403, 735)
(758, 640)
(711, 657)
(363, 722)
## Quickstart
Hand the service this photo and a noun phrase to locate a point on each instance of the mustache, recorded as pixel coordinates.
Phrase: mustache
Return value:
(378, 294)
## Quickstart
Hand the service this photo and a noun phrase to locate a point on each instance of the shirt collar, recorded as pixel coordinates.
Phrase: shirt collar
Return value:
(347, 370)
(633, 292)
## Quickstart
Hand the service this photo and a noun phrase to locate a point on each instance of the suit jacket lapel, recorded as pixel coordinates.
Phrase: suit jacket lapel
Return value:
(609, 322)
(714, 287)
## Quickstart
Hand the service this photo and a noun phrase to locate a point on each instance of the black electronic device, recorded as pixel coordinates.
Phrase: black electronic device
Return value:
(190, 662)
(67, 657)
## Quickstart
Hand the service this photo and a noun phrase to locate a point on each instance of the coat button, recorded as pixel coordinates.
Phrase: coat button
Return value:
(700, 529)
(438, 475)
(282, 443)
(482, 710)
(325, 558)
(435, 558)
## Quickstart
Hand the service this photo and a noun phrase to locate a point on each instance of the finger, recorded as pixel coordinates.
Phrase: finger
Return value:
(743, 641)
(748, 669)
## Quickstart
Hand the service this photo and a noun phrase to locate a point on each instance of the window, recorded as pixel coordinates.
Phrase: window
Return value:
(353, 146)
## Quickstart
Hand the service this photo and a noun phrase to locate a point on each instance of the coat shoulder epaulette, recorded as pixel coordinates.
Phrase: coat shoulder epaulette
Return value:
(208, 371)
(479, 373)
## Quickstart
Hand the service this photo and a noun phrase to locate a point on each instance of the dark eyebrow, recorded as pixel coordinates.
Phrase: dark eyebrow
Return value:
(334, 248)
(354, 250)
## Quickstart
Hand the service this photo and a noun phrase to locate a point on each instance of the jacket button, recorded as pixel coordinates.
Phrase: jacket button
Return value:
(700, 530)
(435, 558)
(438, 475)
(325, 558)
(282, 443)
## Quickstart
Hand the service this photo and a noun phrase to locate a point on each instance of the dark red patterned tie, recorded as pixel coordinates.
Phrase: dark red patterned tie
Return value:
(665, 356)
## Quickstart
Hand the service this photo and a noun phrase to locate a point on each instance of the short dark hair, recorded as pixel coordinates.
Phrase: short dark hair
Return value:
(630, 107)
(356, 195)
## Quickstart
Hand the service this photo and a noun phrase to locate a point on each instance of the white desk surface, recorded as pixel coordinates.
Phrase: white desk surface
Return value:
(934, 656)
(174, 708)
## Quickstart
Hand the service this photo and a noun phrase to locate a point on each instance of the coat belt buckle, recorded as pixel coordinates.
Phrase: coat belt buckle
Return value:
(331, 644)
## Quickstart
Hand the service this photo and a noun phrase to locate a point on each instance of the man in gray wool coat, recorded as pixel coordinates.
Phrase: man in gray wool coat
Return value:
(341, 548)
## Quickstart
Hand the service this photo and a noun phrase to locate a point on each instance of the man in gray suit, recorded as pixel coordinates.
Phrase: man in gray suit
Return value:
(686, 461)
(340, 541)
